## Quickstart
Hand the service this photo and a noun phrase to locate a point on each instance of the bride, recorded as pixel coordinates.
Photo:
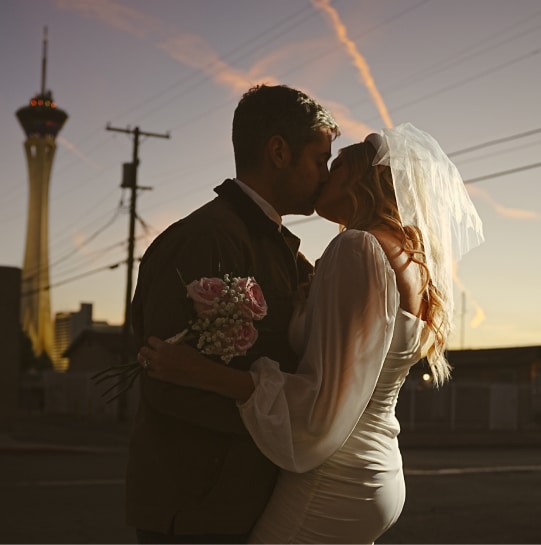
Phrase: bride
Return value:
(380, 301)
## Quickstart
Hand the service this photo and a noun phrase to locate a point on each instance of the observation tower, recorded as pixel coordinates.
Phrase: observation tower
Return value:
(41, 121)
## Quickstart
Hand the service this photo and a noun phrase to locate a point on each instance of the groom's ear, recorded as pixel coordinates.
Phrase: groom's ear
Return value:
(279, 151)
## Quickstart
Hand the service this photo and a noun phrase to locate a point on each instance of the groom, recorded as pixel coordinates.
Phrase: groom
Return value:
(194, 474)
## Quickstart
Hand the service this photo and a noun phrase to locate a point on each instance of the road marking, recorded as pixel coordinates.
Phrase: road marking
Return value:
(464, 470)
(414, 472)
(81, 482)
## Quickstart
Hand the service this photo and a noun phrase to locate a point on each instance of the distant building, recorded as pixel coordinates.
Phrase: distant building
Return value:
(491, 389)
(96, 348)
(514, 365)
(67, 327)
(10, 340)
(76, 392)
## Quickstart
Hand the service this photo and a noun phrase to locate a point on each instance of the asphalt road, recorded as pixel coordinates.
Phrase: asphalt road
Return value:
(61, 481)
(481, 495)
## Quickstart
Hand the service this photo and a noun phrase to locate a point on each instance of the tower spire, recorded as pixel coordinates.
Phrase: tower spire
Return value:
(42, 116)
(44, 61)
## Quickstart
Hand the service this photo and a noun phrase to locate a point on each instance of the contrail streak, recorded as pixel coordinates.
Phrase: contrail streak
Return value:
(192, 50)
(358, 60)
(73, 149)
(505, 211)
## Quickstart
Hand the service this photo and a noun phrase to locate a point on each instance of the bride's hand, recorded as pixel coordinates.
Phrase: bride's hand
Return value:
(179, 364)
(183, 365)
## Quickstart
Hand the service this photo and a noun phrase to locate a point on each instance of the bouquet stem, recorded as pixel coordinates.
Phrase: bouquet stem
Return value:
(127, 373)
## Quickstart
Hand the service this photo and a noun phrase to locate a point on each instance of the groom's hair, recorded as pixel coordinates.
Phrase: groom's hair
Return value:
(265, 111)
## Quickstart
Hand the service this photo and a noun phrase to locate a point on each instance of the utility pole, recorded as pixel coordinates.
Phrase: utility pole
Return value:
(463, 320)
(129, 181)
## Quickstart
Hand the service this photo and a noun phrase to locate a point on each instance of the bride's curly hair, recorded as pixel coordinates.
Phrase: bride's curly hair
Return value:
(372, 193)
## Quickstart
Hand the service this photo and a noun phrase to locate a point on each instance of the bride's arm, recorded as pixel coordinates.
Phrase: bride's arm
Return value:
(183, 365)
(298, 420)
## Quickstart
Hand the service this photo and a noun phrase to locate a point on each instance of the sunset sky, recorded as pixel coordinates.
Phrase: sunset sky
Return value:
(466, 71)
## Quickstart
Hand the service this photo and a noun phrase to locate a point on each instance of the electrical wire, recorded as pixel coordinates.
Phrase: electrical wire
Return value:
(494, 142)
(465, 150)
(464, 81)
(34, 272)
(472, 180)
(502, 173)
(72, 279)
(460, 151)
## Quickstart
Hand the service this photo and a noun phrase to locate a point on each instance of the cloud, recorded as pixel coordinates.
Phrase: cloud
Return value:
(119, 16)
(193, 51)
(186, 48)
(512, 213)
(479, 317)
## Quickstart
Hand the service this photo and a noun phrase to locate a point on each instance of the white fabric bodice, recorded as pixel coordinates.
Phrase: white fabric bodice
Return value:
(358, 346)
(373, 439)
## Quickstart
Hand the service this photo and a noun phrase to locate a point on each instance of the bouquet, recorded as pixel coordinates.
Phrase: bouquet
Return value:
(223, 325)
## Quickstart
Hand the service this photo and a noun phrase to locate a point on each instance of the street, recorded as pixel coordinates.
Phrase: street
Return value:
(493, 497)
(63, 483)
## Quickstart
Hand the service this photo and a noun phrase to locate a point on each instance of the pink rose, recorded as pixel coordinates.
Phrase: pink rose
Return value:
(245, 338)
(205, 292)
(255, 307)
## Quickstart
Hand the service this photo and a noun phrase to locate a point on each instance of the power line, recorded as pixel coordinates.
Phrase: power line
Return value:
(203, 114)
(455, 153)
(243, 53)
(84, 243)
(85, 260)
(466, 150)
(495, 142)
(471, 181)
(73, 278)
(100, 252)
(245, 49)
(295, 222)
(503, 173)
(455, 60)
(464, 81)
(316, 58)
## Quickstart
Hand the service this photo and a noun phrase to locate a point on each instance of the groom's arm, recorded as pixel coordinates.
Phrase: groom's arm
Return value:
(164, 310)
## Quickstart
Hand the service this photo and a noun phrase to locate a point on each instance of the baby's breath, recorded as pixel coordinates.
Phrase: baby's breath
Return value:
(219, 329)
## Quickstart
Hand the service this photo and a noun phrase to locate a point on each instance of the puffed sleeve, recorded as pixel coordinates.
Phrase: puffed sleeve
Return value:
(299, 420)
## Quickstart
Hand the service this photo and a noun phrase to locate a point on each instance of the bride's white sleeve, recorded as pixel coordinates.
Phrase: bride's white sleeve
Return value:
(299, 420)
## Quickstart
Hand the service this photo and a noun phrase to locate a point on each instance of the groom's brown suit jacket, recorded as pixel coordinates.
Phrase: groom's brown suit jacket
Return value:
(193, 468)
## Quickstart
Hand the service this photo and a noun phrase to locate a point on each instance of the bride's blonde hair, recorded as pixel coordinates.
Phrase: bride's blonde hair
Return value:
(373, 196)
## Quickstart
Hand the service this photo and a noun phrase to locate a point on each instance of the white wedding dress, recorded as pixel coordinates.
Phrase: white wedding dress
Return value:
(332, 425)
